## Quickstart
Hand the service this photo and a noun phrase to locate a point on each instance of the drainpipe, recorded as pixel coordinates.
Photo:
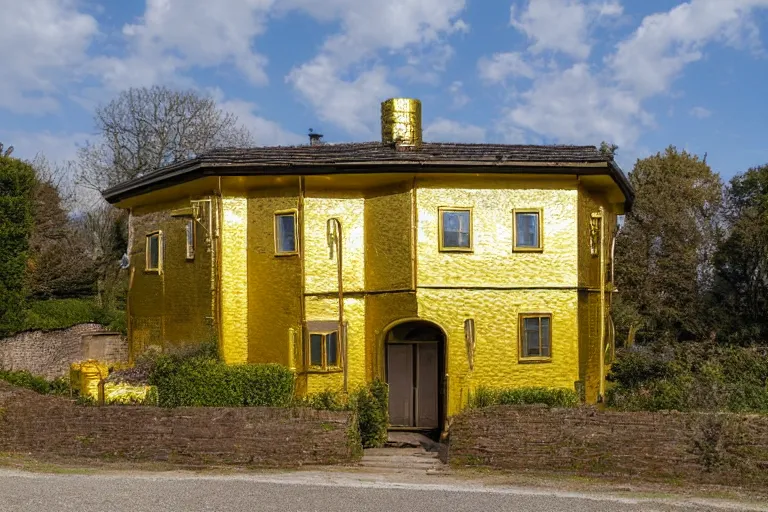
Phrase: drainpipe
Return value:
(601, 216)
(335, 236)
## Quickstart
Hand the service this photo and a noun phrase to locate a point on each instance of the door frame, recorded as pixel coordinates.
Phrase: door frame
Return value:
(442, 366)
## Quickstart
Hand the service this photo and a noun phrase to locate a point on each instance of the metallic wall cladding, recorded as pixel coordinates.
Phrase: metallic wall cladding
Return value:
(388, 242)
(274, 288)
(589, 265)
(496, 350)
(233, 332)
(173, 308)
(589, 345)
(401, 122)
(493, 262)
(319, 266)
(327, 309)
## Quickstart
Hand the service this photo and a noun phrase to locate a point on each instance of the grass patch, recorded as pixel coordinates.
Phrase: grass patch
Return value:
(24, 379)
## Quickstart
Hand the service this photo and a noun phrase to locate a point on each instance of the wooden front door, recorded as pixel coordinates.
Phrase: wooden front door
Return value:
(413, 376)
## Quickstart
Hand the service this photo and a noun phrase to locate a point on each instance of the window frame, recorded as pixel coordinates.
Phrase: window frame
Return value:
(441, 233)
(521, 357)
(190, 249)
(323, 328)
(147, 255)
(280, 213)
(540, 229)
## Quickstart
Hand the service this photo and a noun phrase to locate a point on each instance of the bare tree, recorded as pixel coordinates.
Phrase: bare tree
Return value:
(147, 128)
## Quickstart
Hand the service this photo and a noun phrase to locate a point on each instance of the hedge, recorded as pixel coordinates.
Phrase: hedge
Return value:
(552, 397)
(24, 379)
(17, 181)
(203, 381)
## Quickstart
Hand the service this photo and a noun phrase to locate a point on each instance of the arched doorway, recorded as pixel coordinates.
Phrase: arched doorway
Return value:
(415, 364)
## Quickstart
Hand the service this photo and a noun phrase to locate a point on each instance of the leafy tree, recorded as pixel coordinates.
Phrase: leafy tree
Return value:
(143, 129)
(60, 260)
(741, 275)
(17, 182)
(664, 250)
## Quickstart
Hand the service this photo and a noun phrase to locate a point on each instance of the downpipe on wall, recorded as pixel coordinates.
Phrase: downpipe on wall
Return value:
(334, 235)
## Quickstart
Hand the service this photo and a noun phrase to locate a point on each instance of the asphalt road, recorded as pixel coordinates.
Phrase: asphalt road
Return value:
(303, 492)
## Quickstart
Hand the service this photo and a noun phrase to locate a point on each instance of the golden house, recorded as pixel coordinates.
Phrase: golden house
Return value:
(437, 267)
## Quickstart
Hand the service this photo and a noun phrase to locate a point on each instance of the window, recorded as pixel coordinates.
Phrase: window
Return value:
(285, 233)
(527, 230)
(191, 239)
(324, 349)
(535, 337)
(154, 252)
(455, 229)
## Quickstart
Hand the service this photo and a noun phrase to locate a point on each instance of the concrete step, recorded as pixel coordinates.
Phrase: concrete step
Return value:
(402, 459)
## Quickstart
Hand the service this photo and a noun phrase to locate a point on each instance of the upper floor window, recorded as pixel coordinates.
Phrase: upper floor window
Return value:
(535, 337)
(154, 252)
(455, 229)
(527, 230)
(286, 242)
(191, 239)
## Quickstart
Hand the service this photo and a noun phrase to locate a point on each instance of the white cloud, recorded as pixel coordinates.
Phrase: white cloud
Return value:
(501, 65)
(593, 100)
(174, 36)
(664, 43)
(264, 131)
(345, 81)
(57, 147)
(458, 98)
(575, 106)
(561, 25)
(42, 41)
(700, 112)
(446, 130)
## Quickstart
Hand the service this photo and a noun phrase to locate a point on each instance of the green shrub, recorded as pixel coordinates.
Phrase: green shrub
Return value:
(371, 407)
(51, 314)
(17, 182)
(369, 404)
(24, 379)
(551, 397)
(325, 401)
(200, 380)
(690, 377)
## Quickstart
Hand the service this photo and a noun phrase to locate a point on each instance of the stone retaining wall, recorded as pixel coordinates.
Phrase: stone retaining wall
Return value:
(266, 437)
(709, 448)
(49, 353)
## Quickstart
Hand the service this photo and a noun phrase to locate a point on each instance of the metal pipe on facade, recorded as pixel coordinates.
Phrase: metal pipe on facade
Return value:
(335, 235)
(302, 277)
(601, 216)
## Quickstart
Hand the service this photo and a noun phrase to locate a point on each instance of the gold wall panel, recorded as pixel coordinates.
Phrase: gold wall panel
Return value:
(496, 334)
(233, 334)
(492, 262)
(327, 309)
(589, 345)
(320, 268)
(171, 309)
(589, 203)
(274, 289)
(388, 242)
(401, 121)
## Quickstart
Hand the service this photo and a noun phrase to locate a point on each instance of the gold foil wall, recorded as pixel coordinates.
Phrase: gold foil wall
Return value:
(401, 122)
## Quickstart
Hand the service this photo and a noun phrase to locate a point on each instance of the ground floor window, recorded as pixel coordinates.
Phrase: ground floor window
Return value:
(324, 348)
(535, 337)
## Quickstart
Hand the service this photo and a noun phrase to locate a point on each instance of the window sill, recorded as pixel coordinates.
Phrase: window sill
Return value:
(153, 271)
(285, 254)
(527, 249)
(320, 370)
(456, 249)
(534, 360)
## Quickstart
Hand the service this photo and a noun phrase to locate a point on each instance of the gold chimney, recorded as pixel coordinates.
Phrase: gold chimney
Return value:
(401, 122)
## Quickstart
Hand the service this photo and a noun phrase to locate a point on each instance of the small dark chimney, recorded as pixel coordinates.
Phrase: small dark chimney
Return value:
(315, 139)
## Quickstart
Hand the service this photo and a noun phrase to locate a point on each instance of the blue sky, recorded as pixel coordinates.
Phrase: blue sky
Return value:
(643, 74)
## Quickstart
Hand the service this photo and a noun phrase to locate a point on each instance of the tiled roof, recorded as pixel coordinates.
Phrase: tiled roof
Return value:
(329, 154)
(334, 158)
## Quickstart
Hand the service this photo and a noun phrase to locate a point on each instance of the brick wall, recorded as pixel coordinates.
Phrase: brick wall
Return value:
(709, 448)
(49, 354)
(267, 437)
